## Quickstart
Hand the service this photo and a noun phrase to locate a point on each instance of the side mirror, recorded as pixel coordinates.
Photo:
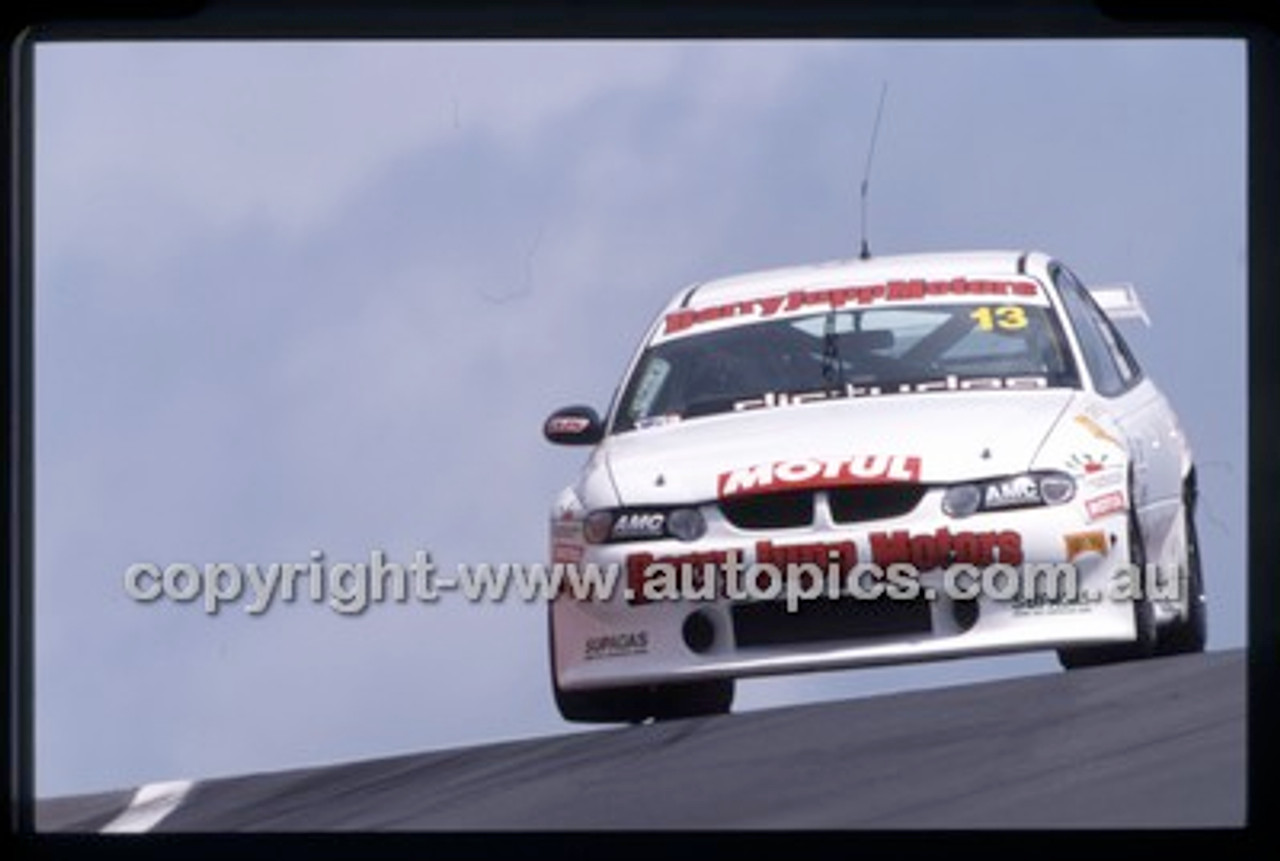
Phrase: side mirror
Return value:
(574, 426)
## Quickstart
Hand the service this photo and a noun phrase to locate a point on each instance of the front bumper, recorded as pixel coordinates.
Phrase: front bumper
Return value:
(614, 642)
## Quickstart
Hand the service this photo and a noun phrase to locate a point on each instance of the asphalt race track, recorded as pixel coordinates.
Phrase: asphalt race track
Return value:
(1158, 743)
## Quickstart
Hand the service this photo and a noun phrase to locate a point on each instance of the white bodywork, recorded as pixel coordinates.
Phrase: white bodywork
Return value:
(1118, 446)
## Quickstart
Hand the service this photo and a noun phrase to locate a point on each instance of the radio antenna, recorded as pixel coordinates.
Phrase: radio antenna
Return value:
(865, 253)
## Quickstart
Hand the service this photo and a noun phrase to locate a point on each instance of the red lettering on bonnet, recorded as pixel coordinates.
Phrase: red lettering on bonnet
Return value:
(818, 472)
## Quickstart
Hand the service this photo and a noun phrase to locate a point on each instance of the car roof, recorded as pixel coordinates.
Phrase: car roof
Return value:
(932, 266)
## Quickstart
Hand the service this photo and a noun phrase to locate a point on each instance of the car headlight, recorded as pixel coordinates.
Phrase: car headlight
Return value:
(687, 524)
(1057, 488)
(961, 500)
(596, 527)
(614, 525)
(1028, 490)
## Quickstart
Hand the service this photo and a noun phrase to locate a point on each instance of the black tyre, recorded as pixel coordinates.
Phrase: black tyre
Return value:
(1188, 634)
(637, 704)
(692, 699)
(612, 705)
(1144, 619)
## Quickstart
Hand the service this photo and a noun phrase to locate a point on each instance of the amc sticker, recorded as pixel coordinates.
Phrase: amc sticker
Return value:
(649, 524)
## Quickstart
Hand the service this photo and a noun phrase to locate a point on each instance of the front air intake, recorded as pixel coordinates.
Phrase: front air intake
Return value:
(770, 510)
(873, 501)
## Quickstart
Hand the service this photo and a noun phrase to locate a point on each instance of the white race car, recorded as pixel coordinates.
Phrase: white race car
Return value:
(866, 462)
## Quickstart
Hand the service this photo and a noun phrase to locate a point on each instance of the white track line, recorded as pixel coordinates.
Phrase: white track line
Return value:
(150, 804)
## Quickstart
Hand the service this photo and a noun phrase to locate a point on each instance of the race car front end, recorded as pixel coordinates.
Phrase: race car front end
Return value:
(826, 560)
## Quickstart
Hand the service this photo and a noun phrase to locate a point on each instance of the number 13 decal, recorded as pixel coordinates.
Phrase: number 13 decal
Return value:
(1003, 317)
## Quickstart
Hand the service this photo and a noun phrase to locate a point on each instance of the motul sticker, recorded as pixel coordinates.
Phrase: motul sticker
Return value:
(818, 472)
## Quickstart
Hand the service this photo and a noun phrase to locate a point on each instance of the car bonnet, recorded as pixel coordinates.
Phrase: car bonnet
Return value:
(934, 437)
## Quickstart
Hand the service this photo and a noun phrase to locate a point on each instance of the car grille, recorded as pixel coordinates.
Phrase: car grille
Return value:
(790, 509)
(770, 510)
(768, 623)
(873, 501)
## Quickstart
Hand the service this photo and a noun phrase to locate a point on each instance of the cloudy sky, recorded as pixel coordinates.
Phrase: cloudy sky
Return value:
(296, 296)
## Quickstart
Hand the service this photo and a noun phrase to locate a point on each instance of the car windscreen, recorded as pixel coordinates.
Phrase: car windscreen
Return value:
(847, 353)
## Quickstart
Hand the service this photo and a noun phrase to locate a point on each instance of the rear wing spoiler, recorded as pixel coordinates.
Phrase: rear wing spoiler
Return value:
(1119, 302)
